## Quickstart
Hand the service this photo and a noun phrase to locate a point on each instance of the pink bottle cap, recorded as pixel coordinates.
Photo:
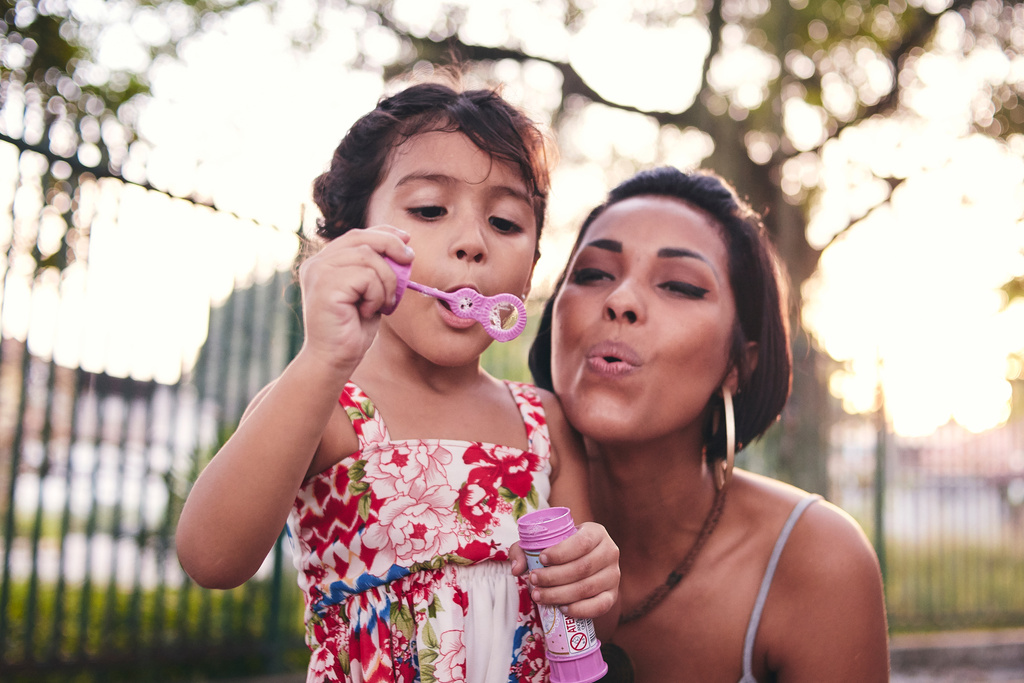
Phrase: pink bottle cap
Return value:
(544, 528)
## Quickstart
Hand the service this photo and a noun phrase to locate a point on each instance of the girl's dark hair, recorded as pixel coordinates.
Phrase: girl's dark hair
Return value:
(757, 283)
(360, 161)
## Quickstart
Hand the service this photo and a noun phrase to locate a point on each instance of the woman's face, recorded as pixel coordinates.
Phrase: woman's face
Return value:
(642, 325)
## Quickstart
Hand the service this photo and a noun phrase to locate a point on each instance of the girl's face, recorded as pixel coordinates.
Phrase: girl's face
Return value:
(471, 224)
(642, 326)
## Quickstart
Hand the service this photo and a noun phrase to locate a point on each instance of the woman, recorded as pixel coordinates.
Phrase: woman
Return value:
(666, 342)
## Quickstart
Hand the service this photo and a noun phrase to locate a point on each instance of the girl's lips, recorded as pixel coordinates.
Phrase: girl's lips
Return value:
(612, 358)
(452, 320)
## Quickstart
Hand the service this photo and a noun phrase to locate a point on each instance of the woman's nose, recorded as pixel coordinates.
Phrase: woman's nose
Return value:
(624, 304)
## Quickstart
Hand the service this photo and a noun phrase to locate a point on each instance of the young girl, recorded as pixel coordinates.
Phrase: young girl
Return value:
(402, 496)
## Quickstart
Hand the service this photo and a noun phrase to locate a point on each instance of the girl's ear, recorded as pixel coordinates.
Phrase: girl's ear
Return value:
(529, 281)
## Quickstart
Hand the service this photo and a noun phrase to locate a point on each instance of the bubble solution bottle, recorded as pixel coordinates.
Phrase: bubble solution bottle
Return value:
(573, 650)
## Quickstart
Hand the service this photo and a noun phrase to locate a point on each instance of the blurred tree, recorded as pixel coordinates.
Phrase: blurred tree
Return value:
(777, 82)
(73, 80)
(760, 91)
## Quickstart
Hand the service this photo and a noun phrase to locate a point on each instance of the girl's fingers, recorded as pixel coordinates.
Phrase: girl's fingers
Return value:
(518, 558)
(591, 608)
(581, 573)
(353, 266)
(544, 592)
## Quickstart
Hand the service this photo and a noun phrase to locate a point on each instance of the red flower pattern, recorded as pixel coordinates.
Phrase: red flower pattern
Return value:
(382, 541)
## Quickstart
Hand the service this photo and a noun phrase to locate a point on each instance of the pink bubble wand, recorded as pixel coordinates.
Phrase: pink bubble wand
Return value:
(503, 316)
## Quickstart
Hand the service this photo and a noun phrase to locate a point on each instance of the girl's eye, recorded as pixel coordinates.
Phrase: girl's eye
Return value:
(685, 289)
(585, 276)
(504, 225)
(429, 213)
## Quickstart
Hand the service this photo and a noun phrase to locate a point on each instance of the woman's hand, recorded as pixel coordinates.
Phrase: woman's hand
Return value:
(580, 575)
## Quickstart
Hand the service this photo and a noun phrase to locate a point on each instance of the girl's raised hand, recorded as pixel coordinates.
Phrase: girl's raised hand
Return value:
(580, 574)
(344, 286)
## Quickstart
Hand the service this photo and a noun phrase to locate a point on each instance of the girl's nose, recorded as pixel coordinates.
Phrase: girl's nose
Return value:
(476, 256)
(469, 245)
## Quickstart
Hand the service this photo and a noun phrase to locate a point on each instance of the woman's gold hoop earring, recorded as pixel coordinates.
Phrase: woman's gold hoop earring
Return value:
(723, 468)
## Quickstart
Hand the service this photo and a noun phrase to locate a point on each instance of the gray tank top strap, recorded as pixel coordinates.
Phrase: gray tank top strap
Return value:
(766, 583)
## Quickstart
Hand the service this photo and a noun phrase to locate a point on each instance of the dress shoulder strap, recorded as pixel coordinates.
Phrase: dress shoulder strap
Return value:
(766, 583)
(365, 417)
(531, 408)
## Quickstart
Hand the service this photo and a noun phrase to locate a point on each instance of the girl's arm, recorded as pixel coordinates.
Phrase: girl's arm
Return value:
(582, 572)
(235, 511)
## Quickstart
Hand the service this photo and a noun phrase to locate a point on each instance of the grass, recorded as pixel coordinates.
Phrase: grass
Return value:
(939, 587)
(92, 633)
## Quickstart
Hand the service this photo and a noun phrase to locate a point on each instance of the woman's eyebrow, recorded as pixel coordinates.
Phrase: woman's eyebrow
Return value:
(679, 252)
(608, 245)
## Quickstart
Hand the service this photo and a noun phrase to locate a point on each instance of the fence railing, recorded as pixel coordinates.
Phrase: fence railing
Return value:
(952, 536)
(96, 471)
(94, 467)
(100, 440)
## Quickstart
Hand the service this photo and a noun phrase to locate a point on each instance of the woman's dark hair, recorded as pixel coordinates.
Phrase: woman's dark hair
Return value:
(757, 283)
(360, 161)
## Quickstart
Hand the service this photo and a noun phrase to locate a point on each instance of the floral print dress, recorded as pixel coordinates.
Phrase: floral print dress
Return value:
(402, 552)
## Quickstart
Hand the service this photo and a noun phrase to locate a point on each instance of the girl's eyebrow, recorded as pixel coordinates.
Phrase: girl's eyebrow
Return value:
(444, 179)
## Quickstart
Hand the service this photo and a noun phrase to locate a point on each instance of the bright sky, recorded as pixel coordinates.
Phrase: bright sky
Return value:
(908, 296)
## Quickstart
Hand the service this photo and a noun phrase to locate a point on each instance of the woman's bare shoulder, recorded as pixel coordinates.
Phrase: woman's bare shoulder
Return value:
(825, 533)
(825, 615)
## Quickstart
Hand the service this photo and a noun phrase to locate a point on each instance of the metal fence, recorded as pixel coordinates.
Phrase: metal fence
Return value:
(951, 509)
(98, 446)
(99, 442)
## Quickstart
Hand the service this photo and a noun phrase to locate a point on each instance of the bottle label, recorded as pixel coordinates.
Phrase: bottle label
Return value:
(563, 635)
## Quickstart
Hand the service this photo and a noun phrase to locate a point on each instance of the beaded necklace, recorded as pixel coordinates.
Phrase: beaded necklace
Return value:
(684, 567)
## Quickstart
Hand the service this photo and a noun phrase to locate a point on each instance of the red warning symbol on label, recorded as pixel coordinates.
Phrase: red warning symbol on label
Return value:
(578, 641)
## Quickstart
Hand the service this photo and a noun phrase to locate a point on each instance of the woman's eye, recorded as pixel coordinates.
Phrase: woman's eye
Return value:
(587, 275)
(428, 212)
(504, 225)
(684, 288)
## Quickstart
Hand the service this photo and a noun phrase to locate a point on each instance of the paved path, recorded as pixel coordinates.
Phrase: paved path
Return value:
(958, 657)
(947, 657)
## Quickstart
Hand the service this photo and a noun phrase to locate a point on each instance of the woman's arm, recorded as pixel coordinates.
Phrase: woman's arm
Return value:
(827, 622)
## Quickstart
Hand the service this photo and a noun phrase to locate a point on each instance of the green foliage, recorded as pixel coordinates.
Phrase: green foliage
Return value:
(1014, 289)
(508, 360)
(156, 635)
(933, 586)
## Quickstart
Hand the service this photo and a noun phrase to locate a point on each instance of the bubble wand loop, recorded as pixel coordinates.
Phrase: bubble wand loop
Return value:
(503, 316)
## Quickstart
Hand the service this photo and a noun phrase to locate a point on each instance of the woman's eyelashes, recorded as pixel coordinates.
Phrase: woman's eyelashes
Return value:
(583, 276)
(685, 288)
(590, 275)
